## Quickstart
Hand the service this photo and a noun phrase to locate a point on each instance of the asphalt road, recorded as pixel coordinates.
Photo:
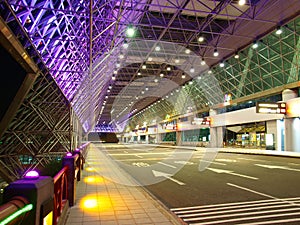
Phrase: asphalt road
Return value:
(216, 188)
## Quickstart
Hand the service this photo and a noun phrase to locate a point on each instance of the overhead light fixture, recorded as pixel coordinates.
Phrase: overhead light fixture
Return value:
(278, 31)
(115, 71)
(216, 53)
(222, 64)
(168, 68)
(187, 51)
(255, 45)
(118, 64)
(177, 61)
(183, 76)
(139, 73)
(242, 2)
(155, 80)
(113, 78)
(144, 66)
(157, 48)
(150, 59)
(209, 72)
(236, 55)
(130, 31)
(125, 44)
(200, 38)
(192, 70)
(202, 62)
(161, 75)
(121, 56)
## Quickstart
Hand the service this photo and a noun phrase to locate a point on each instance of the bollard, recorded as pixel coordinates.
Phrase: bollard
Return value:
(39, 191)
(70, 161)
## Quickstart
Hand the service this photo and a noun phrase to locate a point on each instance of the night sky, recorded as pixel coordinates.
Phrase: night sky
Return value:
(12, 76)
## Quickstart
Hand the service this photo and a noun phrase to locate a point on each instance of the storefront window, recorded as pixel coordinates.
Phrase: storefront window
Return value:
(196, 135)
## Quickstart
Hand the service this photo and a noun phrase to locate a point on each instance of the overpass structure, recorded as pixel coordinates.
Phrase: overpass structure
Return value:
(72, 67)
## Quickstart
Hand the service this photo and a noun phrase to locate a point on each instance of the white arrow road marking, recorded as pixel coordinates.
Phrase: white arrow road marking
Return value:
(232, 173)
(166, 175)
(277, 167)
(165, 164)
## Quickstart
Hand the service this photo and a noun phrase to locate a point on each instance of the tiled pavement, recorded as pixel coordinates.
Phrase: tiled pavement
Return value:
(101, 201)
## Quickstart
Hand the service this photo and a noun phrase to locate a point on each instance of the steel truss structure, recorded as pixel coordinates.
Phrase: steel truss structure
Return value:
(40, 124)
(81, 45)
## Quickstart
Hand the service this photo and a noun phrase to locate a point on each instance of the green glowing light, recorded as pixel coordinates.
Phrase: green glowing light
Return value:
(130, 31)
(7, 220)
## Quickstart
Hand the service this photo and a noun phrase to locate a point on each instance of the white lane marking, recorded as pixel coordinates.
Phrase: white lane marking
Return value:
(139, 156)
(225, 160)
(239, 209)
(232, 173)
(184, 162)
(125, 152)
(239, 204)
(217, 163)
(277, 167)
(254, 160)
(165, 164)
(262, 194)
(294, 164)
(166, 175)
(275, 213)
(248, 218)
(272, 222)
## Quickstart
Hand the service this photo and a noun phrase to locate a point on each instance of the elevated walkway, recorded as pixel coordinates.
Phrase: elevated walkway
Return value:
(101, 201)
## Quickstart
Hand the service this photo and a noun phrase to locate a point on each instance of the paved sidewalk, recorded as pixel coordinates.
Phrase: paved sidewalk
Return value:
(101, 201)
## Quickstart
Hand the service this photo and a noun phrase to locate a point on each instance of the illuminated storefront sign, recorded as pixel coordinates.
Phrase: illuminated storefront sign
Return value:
(272, 108)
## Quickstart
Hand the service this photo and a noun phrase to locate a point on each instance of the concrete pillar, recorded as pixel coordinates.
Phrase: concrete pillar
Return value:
(291, 131)
(178, 138)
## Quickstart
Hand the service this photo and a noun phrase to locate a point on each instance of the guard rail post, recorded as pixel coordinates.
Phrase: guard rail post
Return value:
(39, 191)
(70, 161)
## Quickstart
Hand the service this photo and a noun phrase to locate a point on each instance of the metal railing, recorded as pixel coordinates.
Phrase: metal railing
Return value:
(64, 182)
(60, 193)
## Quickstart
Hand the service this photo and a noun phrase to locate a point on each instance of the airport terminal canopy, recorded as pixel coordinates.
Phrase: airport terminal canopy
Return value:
(115, 59)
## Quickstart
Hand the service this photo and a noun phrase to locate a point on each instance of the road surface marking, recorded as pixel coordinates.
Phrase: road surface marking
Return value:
(140, 164)
(212, 162)
(165, 164)
(225, 160)
(139, 156)
(277, 167)
(232, 173)
(260, 193)
(238, 204)
(254, 160)
(167, 176)
(184, 162)
(248, 212)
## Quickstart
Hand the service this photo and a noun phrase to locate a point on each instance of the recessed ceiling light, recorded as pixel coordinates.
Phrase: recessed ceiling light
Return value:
(168, 68)
(242, 2)
(201, 39)
(216, 53)
(187, 51)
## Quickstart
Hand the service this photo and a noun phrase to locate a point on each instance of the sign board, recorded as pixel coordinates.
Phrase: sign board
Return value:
(271, 108)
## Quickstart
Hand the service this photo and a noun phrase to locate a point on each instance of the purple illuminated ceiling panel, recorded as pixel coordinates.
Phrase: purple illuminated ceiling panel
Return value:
(80, 45)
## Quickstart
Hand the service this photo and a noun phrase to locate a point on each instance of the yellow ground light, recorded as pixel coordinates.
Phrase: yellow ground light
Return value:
(94, 203)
